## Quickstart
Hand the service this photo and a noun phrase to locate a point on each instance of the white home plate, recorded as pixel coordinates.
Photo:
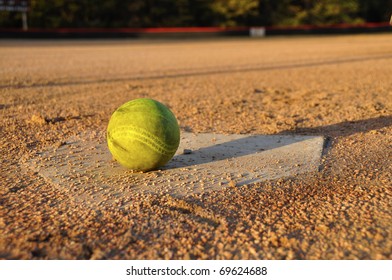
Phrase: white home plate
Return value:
(84, 167)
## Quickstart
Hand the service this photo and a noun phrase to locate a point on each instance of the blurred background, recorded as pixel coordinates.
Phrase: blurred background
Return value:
(189, 13)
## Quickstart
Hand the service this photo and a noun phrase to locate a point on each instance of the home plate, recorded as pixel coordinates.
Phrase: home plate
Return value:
(84, 168)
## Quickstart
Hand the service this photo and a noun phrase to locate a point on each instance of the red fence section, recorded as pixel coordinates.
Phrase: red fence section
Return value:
(161, 32)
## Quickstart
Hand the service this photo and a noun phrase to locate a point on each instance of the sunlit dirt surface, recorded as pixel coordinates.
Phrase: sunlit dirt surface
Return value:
(338, 87)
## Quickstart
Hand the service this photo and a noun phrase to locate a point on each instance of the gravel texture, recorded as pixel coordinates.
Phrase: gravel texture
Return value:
(335, 86)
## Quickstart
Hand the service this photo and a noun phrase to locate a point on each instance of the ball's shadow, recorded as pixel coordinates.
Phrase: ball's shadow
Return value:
(207, 148)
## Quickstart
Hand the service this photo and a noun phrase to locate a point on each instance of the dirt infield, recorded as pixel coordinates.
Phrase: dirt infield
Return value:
(338, 87)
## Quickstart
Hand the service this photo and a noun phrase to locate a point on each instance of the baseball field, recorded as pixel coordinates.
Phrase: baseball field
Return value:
(57, 93)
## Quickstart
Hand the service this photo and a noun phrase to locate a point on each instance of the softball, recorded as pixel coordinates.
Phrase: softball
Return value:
(143, 134)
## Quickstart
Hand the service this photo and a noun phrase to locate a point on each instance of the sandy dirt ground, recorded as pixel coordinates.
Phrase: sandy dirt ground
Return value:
(339, 87)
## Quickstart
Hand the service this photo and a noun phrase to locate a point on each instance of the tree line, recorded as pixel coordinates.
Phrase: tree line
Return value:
(188, 13)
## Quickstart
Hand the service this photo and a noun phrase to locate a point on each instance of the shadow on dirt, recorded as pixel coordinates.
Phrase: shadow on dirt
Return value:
(182, 73)
(344, 128)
